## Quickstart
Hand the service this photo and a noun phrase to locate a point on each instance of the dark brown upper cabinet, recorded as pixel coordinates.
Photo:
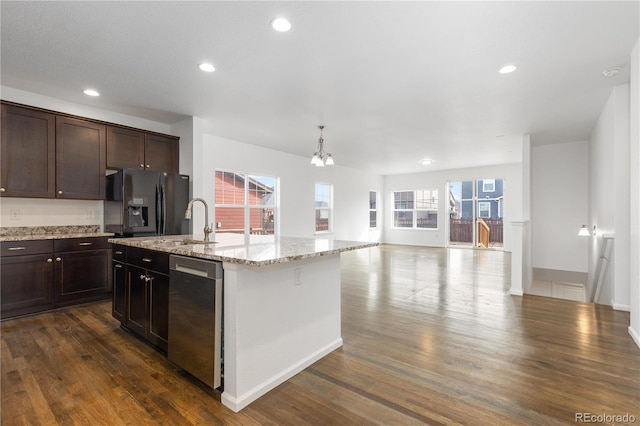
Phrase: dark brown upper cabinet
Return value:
(133, 149)
(125, 148)
(161, 153)
(46, 154)
(80, 159)
(28, 153)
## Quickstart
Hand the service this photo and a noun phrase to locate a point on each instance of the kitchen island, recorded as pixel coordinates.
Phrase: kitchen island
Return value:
(281, 304)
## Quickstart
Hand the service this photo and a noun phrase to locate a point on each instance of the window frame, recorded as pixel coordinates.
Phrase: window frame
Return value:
(374, 210)
(328, 208)
(486, 182)
(484, 203)
(247, 207)
(415, 211)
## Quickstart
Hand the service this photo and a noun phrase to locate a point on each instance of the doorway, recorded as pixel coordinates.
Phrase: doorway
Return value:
(476, 209)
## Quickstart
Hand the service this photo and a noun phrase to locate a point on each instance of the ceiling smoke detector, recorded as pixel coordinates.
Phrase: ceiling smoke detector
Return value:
(611, 72)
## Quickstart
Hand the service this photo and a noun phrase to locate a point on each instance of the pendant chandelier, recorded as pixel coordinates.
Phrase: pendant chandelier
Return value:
(321, 158)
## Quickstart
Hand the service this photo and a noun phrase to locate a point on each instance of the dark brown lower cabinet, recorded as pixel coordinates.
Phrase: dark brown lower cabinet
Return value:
(26, 284)
(43, 274)
(141, 295)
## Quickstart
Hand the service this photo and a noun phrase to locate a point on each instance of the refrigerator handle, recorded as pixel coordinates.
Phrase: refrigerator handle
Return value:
(163, 203)
(158, 211)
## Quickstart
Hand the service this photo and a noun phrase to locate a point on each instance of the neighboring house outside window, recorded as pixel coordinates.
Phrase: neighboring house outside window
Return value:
(324, 207)
(245, 204)
(373, 209)
(488, 191)
(415, 209)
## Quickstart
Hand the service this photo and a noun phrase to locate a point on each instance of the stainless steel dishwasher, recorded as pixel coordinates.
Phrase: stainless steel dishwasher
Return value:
(195, 317)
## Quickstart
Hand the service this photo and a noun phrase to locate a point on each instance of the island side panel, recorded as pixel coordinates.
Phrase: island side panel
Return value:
(278, 320)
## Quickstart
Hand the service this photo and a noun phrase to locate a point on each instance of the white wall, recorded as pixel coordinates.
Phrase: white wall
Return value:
(297, 187)
(53, 212)
(634, 199)
(560, 190)
(83, 110)
(609, 198)
(511, 173)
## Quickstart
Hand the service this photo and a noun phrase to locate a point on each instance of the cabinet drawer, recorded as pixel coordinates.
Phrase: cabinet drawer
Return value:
(22, 248)
(119, 252)
(75, 244)
(148, 259)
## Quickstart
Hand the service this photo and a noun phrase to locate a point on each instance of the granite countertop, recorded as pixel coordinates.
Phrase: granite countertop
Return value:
(253, 250)
(27, 233)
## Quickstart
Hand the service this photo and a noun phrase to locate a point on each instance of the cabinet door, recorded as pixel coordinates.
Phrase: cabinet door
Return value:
(82, 276)
(158, 289)
(161, 153)
(119, 306)
(27, 284)
(80, 159)
(125, 149)
(28, 153)
(136, 312)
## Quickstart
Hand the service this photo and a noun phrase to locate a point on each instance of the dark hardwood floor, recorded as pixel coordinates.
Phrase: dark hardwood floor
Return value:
(431, 336)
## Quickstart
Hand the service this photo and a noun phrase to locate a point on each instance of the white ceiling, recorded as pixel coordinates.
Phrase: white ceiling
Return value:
(393, 82)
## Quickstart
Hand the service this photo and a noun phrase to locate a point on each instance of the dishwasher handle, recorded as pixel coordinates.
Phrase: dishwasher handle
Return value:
(199, 267)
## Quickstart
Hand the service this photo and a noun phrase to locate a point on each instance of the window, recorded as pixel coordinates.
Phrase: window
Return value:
(415, 209)
(324, 207)
(484, 209)
(245, 204)
(489, 185)
(373, 209)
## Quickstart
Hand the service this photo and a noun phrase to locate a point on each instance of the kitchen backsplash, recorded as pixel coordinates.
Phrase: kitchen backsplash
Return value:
(16, 212)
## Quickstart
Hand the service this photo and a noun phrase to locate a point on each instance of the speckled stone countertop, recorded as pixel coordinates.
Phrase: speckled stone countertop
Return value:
(253, 250)
(26, 233)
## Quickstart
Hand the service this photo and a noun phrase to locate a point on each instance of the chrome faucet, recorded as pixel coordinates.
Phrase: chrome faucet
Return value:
(187, 215)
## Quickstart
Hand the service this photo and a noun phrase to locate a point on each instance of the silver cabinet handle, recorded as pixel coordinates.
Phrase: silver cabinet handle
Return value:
(58, 259)
(117, 265)
(49, 260)
(60, 192)
(143, 277)
(148, 166)
(16, 248)
(118, 252)
(146, 259)
(85, 244)
(2, 189)
(142, 165)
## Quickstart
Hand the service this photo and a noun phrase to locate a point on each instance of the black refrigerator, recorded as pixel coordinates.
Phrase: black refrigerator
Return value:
(140, 203)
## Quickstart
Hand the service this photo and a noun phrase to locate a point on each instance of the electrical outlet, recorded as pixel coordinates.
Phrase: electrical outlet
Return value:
(14, 214)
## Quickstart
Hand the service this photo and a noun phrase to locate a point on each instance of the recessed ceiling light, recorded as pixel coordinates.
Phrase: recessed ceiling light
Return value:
(281, 25)
(90, 92)
(507, 69)
(611, 72)
(206, 67)
(426, 161)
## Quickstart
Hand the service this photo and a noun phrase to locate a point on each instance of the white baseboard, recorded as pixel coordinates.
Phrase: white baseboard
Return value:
(618, 307)
(237, 404)
(635, 336)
